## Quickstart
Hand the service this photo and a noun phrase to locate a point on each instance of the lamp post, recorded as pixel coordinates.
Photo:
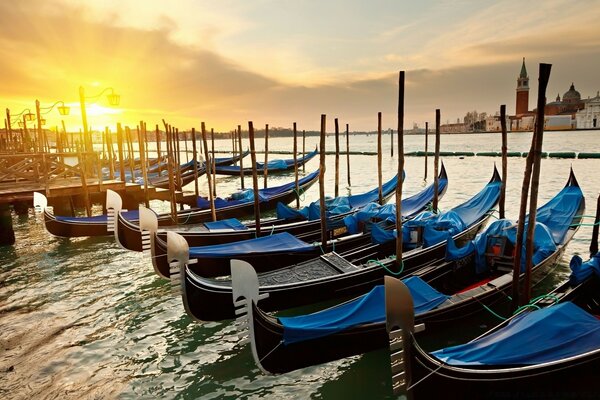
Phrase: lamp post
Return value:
(113, 99)
(62, 110)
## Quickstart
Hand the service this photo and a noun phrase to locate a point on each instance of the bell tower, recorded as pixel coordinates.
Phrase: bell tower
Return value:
(522, 91)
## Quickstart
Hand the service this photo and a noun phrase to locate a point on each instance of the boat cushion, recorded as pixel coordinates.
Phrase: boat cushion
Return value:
(540, 336)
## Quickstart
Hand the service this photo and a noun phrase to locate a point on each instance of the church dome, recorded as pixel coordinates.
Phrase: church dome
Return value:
(572, 96)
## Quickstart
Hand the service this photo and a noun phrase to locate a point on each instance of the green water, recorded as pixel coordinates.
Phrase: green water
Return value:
(82, 318)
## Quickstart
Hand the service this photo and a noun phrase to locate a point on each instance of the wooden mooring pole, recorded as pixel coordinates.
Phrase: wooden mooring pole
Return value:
(265, 167)
(337, 158)
(254, 178)
(196, 163)
(399, 262)
(426, 139)
(208, 174)
(436, 161)
(348, 154)
(535, 179)
(379, 150)
(322, 184)
(504, 161)
(296, 167)
(239, 130)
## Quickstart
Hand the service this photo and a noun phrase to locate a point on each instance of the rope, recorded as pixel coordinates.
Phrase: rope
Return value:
(598, 223)
(272, 350)
(300, 193)
(382, 265)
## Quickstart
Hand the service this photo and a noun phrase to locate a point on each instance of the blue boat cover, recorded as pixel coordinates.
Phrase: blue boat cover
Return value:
(543, 244)
(280, 242)
(231, 223)
(366, 309)
(132, 215)
(553, 219)
(247, 196)
(580, 270)
(274, 165)
(336, 206)
(439, 227)
(558, 213)
(410, 206)
(541, 336)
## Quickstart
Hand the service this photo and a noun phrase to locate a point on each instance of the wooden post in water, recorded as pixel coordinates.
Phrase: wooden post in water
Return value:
(594, 243)
(233, 145)
(337, 158)
(436, 161)
(187, 155)
(241, 155)
(303, 149)
(379, 172)
(535, 179)
(178, 158)
(196, 163)
(322, 184)
(348, 155)
(504, 161)
(142, 147)
(265, 169)
(130, 151)
(111, 159)
(120, 151)
(254, 178)
(296, 167)
(392, 143)
(158, 155)
(170, 165)
(208, 174)
(426, 150)
(213, 162)
(399, 262)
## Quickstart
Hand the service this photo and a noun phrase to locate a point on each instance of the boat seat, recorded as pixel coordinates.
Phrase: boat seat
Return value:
(338, 262)
(499, 253)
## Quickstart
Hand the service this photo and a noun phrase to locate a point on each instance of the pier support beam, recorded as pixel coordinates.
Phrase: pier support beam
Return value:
(21, 207)
(7, 234)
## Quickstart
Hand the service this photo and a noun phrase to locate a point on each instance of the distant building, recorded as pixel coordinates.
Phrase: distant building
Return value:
(458, 127)
(493, 123)
(522, 107)
(589, 116)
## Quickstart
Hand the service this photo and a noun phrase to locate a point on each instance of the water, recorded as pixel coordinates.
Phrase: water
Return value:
(81, 318)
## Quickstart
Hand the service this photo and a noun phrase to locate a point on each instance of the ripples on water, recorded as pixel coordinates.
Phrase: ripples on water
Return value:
(81, 318)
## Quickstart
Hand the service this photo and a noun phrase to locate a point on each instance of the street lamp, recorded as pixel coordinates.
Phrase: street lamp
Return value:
(113, 99)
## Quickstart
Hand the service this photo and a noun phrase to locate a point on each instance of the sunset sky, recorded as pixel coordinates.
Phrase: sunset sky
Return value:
(278, 62)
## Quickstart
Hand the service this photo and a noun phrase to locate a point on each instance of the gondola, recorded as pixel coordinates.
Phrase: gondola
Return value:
(332, 275)
(104, 225)
(443, 294)
(291, 221)
(272, 166)
(549, 351)
(279, 247)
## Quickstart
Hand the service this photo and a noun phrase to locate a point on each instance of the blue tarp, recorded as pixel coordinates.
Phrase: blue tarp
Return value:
(543, 244)
(279, 242)
(438, 227)
(247, 196)
(336, 206)
(558, 213)
(580, 270)
(365, 309)
(132, 215)
(410, 206)
(545, 335)
(231, 223)
(553, 219)
(274, 165)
